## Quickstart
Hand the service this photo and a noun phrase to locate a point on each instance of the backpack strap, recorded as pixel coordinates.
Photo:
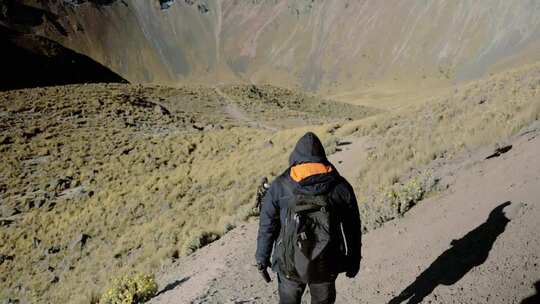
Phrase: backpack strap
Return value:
(286, 183)
(307, 207)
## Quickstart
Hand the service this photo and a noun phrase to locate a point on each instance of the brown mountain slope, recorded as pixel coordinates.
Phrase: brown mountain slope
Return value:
(330, 46)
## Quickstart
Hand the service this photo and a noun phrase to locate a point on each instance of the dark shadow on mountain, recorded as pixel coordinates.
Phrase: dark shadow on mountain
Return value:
(466, 253)
(172, 286)
(535, 299)
(23, 17)
(32, 61)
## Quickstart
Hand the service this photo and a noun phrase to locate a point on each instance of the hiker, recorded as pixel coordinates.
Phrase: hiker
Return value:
(310, 218)
(261, 191)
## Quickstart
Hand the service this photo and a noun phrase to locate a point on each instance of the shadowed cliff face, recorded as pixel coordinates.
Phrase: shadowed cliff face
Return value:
(33, 61)
(318, 45)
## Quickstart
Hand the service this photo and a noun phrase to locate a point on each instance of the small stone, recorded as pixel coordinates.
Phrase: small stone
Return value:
(80, 242)
(159, 109)
(482, 100)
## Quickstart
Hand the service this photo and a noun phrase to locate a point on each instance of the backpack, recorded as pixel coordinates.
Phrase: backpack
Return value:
(304, 247)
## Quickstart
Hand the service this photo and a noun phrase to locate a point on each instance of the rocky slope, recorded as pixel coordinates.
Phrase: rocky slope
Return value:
(319, 45)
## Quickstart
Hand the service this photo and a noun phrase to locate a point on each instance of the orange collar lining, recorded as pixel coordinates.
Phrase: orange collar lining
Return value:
(303, 171)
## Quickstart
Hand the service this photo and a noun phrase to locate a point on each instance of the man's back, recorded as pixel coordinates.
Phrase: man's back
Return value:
(309, 175)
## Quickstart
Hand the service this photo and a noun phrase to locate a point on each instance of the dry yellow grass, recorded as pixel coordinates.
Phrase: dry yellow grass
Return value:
(119, 191)
(109, 184)
(483, 112)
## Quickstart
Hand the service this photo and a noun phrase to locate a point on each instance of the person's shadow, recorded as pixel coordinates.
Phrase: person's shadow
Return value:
(534, 299)
(465, 254)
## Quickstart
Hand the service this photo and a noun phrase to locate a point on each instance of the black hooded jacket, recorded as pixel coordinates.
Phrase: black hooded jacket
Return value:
(310, 150)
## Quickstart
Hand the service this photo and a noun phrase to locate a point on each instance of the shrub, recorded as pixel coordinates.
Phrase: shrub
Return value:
(404, 196)
(201, 240)
(138, 288)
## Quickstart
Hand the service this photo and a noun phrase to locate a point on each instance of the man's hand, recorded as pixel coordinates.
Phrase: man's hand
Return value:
(351, 273)
(264, 272)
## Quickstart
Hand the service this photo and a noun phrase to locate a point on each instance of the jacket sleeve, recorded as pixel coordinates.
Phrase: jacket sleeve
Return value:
(269, 226)
(352, 227)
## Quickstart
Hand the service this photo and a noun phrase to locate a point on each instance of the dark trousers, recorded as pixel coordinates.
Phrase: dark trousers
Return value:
(290, 292)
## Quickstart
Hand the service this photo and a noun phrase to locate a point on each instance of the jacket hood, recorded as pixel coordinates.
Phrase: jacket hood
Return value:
(308, 149)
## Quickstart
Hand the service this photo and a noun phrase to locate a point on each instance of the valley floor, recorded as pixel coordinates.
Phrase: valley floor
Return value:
(475, 242)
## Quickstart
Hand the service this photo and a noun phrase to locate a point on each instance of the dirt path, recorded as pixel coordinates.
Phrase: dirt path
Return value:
(238, 114)
(477, 242)
(351, 153)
